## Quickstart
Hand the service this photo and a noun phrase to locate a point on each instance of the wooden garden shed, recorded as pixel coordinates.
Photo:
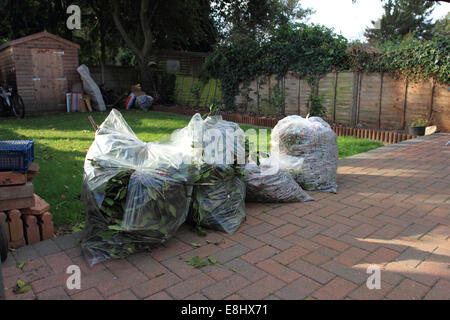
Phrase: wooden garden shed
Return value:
(43, 68)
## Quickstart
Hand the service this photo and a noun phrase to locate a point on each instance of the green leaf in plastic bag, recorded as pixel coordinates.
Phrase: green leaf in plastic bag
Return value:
(164, 230)
(206, 174)
(109, 201)
(115, 228)
(178, 176)
(151, 194)
(107, 234)
(200, 231)
(123, 194)
(108, 211)
(173, 210)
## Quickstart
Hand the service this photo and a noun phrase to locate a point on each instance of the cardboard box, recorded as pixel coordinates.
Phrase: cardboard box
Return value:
(136, 88)
(139, 93)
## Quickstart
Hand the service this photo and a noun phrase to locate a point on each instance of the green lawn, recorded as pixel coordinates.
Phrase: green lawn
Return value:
(62, 140)
(349, 146)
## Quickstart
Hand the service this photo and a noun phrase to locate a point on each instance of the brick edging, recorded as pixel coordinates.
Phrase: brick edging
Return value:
(385, 136)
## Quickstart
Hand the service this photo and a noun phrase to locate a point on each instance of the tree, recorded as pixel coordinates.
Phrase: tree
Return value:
(103, 25)
(401, 18)
(147, 25)
(25, 17)
(97, 38)
(254, 19)
(442, 26)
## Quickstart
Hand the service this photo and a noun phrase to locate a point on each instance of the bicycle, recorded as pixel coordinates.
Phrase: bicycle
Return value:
(11, 102)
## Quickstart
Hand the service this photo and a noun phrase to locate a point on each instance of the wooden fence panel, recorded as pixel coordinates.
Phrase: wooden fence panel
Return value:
(392, 102)
(344, 97)
(369, 100)
(291, 88)
(441, 107)
(326, 92)
(305, 92)
(418, 101)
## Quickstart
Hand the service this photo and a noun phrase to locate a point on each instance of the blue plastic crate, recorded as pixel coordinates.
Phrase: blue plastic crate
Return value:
(16, 155)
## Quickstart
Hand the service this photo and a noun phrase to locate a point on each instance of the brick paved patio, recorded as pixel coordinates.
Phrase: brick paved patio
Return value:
(392, 210)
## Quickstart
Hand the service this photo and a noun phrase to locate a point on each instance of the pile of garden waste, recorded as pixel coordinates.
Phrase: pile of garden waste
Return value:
(138, 194)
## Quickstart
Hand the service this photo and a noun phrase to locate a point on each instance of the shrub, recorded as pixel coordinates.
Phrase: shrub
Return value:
(316, 107)
(278, 99)
(196, 92)
(306, 50)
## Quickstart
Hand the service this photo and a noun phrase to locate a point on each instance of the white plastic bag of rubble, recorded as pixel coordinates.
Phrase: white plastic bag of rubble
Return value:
(91, 88)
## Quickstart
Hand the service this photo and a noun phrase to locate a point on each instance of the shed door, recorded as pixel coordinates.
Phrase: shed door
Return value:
(50, 83)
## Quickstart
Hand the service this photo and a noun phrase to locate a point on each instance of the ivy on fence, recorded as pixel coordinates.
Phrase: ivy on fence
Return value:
(310, 52)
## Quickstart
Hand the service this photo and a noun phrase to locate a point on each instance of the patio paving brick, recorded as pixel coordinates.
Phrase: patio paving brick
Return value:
(261, 289)
(190, 286)
(311, 271)
(408, 290)
(298, 289)
(226, 287)
(337, 288)
(279, 271)
(124, 295)
(260, 254)
(441, 291)
(155, 285)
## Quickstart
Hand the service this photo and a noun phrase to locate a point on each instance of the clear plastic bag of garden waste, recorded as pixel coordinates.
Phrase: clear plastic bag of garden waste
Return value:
(266, 182)
(219, 198)
(313, 140)
(218, 147)
(136, 194)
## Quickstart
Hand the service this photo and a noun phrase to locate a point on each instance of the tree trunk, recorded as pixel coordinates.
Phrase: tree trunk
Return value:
(146, 74)
(103, 44)
(147, 78)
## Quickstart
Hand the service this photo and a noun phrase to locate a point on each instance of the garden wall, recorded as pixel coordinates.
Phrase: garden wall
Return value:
(371, 100)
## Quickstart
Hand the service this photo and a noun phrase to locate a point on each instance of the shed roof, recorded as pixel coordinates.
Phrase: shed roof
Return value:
(37, 36)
